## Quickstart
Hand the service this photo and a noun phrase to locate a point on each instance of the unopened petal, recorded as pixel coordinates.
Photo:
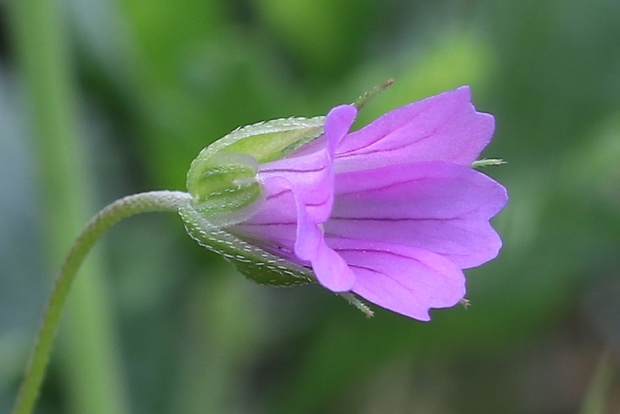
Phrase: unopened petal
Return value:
(445, 127)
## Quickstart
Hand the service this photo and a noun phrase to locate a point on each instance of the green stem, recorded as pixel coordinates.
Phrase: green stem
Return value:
(89, 359)
(594, 400)
(155, 201)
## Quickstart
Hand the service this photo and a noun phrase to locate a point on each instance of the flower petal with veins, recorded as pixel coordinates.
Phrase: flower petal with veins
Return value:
(401, 278)
(444, 127)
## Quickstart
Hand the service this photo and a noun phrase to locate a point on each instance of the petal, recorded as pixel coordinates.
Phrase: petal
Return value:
(283, 227)
(403, 279)
(311, 175)
(434, 206)
(330, 268)
(338, 123)
(444, 127)
(274, 226)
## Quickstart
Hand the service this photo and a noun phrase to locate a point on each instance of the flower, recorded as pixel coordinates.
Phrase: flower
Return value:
(392, 212)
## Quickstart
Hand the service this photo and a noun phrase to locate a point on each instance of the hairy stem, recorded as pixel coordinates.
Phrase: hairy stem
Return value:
(89, 359)
(155, 201)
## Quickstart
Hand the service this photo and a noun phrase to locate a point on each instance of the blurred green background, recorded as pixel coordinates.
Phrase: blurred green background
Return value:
(102, 98)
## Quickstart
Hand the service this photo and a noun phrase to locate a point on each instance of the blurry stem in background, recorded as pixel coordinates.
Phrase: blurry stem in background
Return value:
(91, 364)
(595, 399)
(370, 95)
(164, 201)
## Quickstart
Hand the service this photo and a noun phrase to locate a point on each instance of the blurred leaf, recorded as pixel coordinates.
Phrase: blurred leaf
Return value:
(326, 37)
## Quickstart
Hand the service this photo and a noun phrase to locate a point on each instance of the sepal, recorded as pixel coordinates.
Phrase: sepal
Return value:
(222, 179)
(487, 162)
(266, 141)
(252, 261)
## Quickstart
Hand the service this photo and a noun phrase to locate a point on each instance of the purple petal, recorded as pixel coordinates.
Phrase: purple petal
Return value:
(444, 127)
(305, 186)
(311, 175)
(337, 125)
(274, 226)
(403, 279)
(330, 269)
(434, 206)
(283, 227)
(310, 178)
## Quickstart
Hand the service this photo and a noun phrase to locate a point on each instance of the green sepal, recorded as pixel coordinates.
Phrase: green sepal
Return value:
(224, 188)
(372, 94)
(487, 162)
(265, 141)
(251, 261)
(223, 178)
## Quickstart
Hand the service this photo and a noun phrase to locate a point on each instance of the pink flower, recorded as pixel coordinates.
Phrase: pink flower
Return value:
(392, 212)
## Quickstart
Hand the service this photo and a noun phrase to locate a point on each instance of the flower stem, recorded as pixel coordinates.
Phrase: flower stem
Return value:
(155, 201)
(89, 360)
(595, 398)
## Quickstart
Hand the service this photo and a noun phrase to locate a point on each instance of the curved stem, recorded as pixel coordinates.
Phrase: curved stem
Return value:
(154, 201)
